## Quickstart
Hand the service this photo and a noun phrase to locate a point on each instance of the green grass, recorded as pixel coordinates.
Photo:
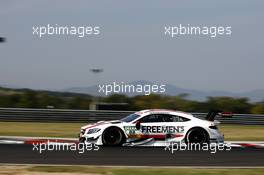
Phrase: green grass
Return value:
(40, 129)
(231, 132)
(243, 132)
(145, 171)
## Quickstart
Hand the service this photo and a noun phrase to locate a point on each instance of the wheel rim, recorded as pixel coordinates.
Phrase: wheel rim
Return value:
(197, 136)
(112, 137)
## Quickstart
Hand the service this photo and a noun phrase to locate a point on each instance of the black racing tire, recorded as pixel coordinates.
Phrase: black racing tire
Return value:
(197, 135)
(113, 136)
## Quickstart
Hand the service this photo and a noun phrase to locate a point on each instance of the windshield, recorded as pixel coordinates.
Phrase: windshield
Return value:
(130, 118)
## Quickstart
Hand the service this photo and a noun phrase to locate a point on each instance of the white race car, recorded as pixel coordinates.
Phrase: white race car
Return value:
(154, 127)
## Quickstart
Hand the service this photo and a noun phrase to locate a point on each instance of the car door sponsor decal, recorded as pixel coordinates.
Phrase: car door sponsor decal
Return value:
(154, 129)
(162, 129)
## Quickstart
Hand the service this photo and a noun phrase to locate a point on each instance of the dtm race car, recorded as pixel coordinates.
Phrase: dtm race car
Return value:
(154, 127)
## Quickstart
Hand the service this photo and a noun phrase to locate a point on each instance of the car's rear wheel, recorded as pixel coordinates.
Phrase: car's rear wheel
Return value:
(197, 135)
(113, 136)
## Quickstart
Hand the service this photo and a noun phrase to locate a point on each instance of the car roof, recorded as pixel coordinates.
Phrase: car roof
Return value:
(163, 111)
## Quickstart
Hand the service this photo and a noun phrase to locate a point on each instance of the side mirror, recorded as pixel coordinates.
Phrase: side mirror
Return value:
(138, 125)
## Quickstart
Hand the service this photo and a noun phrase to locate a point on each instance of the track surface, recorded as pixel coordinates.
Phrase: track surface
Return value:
(132, 156)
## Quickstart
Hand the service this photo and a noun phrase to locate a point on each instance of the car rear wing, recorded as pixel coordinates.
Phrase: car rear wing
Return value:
(213, 113)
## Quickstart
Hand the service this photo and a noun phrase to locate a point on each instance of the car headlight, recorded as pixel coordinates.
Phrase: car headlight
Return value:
(93, 130)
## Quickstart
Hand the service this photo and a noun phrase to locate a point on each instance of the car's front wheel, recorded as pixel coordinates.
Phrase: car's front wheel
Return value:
(113, 136)
(197, 135)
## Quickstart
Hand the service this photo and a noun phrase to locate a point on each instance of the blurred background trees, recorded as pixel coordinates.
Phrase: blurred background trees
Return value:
(26, 98)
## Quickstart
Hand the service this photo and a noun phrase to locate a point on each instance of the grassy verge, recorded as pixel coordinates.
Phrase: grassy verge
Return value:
(243, 132)
(40, 129)
(77, 170)
(144, 171)
(231, 132)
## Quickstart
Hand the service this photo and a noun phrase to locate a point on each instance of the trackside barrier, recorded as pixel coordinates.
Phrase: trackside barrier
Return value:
(65, 115)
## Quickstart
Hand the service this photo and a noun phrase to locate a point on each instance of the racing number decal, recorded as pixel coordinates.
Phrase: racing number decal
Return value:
(130, 130)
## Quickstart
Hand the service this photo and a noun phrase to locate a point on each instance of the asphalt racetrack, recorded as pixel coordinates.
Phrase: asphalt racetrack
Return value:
(132, 156)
